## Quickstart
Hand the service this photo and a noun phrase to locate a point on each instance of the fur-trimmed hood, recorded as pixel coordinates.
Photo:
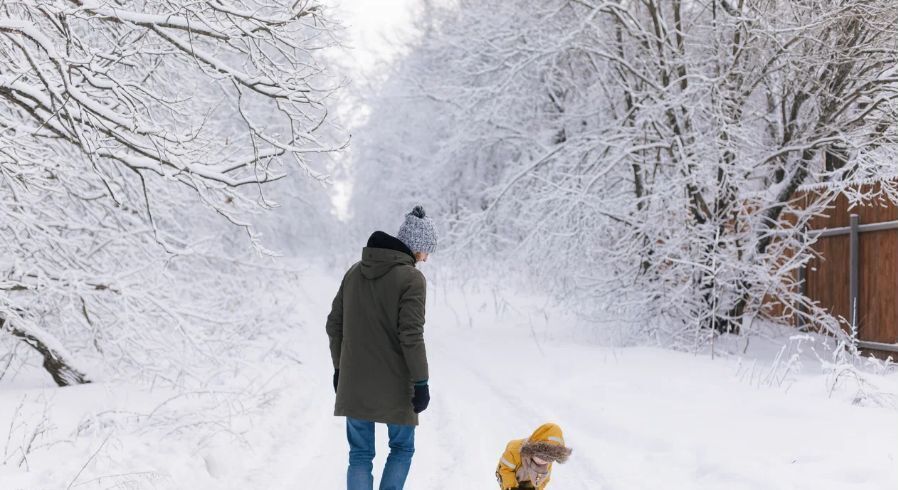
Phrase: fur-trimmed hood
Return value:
(547, 442)
(546, 450)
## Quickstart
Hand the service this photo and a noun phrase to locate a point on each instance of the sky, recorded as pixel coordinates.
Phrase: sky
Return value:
(376, 29)
(376, 32)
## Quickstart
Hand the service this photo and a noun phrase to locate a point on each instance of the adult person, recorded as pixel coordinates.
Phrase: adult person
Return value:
(376, 331)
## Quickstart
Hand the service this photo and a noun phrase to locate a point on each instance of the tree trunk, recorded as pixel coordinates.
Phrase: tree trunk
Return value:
(56, 360)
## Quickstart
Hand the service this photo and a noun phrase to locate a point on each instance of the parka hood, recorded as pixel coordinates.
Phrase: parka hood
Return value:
(548, 432)
(383, 253)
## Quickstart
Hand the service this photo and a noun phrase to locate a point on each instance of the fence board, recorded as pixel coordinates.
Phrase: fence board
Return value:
(878, 275)
(828, 277)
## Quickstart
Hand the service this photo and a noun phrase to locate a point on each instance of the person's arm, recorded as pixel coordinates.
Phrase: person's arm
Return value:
(335, 327)
(508, 466)
(411, 327)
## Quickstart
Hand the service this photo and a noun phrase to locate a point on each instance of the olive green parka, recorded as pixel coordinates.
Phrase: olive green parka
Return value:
(376, 331)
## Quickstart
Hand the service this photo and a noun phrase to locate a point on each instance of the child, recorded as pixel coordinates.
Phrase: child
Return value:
(527, 463)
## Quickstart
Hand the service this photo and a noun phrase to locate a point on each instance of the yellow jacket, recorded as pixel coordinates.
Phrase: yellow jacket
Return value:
(511, 461)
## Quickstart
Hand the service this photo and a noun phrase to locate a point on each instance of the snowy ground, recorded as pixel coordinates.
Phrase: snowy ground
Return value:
(638, 418)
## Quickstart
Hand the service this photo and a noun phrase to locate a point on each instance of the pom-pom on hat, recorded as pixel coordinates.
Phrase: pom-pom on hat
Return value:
(417, 232)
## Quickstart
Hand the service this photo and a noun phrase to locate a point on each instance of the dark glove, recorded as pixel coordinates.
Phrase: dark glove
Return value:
(421, 398)
(336, 379)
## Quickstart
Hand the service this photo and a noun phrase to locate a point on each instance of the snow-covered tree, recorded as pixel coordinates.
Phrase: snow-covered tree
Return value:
(130, 132)
(650, 157)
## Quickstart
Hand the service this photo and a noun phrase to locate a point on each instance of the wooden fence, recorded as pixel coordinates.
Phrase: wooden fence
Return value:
(856, 277)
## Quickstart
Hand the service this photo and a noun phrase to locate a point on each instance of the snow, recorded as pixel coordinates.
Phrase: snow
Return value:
(501, 364)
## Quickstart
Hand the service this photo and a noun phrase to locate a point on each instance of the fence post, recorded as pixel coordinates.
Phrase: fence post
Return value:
(803, 285)
(854, 277)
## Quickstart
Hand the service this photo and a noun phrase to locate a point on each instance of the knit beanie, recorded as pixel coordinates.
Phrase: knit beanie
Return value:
(417, 232)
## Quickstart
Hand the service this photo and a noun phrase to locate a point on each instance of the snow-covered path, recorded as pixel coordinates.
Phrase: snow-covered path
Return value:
(638, 418)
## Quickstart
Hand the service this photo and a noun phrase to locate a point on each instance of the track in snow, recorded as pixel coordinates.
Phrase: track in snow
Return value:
(637, 418)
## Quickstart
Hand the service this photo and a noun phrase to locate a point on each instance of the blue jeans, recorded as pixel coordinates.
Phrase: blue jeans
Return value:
(360, 434)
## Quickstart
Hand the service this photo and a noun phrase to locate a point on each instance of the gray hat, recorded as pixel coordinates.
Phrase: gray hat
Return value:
(417, 232)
